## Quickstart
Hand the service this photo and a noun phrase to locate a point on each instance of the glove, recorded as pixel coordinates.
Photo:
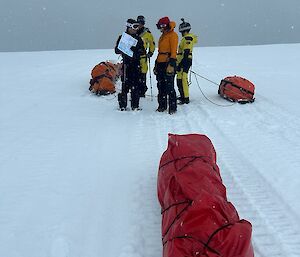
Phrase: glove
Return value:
(170, 70)
(155, 70)
(150, 54)
(171, 67)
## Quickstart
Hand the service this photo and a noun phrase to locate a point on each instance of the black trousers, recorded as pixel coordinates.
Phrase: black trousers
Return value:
(130, 82)
(165, 85)
(143, 86)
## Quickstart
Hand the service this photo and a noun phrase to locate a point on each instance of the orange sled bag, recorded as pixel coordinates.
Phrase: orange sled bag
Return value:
(104, 76)
(237, 89)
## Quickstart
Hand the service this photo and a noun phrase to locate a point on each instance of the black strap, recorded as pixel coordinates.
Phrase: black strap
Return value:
(236, 86)
(197, 240)
(175, 204)
(206, 245)
(107, 65)
(216, 231)
(177, 217)
(194, 157)
(166, 53)
(189, 38)
(96, 79)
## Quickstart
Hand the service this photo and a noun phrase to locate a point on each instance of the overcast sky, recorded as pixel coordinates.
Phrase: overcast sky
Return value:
(34, 25)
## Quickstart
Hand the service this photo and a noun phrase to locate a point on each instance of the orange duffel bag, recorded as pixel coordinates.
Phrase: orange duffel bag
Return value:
(237, 89)
(104, 76)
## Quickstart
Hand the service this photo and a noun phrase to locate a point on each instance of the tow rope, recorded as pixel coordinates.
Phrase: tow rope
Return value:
(198, 84)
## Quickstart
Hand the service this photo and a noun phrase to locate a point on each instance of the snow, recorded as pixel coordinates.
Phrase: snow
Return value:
(78, 177)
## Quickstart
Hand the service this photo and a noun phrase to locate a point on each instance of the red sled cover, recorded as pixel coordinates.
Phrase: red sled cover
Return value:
(237, 89)
(197, 219)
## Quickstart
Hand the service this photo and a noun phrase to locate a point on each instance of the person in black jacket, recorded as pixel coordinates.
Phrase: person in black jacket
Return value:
(131, 68)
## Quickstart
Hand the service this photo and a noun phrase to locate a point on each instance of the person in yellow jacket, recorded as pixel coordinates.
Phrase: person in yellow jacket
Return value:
(165, 65)
(149, 45)
(184, 60)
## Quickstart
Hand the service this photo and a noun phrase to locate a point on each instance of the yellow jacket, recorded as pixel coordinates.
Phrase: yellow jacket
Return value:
(167, 44)
(186, 46)
(148, 40)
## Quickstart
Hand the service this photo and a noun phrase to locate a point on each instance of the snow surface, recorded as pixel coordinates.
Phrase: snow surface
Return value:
(78, 177)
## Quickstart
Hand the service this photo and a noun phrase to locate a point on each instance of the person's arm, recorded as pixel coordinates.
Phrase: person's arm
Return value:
(173, 49)
(151, 44)
(139, 49)
(173, 46)
(187, 49)
(117, 51)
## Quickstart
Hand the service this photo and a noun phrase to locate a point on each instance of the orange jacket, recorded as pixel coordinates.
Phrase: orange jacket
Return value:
(167, 44)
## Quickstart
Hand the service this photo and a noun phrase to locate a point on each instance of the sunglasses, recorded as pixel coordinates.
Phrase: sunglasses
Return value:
(160, 26)
(134, 26)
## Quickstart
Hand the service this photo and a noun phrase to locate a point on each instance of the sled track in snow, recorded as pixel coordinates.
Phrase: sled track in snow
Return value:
(274, 232)
(146, 235)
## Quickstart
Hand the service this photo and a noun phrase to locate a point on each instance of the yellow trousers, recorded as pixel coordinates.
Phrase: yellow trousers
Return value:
(183, 76)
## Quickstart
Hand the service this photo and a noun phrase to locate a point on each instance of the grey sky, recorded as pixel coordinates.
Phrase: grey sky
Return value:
(33, 25)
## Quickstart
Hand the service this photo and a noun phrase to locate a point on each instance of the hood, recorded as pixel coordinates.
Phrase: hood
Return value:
(172, 25)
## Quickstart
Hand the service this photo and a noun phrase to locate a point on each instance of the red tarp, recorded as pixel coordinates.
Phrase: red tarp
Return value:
(197, 219)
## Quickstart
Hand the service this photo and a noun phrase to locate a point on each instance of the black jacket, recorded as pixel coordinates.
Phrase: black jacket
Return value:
(138, 50)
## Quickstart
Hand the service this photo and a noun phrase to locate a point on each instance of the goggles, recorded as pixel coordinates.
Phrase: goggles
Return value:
(160, 26)
(134, 26)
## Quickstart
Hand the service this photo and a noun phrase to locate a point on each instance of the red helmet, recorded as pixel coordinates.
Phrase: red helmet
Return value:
(163, 22)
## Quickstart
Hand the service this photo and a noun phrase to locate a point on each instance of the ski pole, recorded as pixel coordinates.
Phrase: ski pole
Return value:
(150, 80)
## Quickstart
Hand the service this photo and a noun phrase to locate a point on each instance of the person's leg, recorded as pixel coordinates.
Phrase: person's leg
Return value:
(143, 75)
(135, 97)
(143, 87)
(180, 86)
(185, 87)
(172, 94)
(122, 97)
(161, 86)
(185, 81)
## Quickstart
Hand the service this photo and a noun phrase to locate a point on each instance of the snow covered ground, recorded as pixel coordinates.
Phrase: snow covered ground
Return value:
(78, 177)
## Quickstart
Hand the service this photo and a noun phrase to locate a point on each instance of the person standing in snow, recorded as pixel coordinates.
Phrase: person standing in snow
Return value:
(165, 65)
(149, 45)
(184, 60)
(131, 68)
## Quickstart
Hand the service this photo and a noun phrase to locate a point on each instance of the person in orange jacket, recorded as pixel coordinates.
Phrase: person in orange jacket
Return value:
(165, 65)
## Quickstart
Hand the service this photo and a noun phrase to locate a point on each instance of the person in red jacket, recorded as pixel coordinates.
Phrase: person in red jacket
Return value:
(165, 65)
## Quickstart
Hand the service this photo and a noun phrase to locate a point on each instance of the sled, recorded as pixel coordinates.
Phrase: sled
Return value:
(237, 89)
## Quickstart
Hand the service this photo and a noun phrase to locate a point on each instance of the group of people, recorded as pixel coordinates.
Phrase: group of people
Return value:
(172, 60)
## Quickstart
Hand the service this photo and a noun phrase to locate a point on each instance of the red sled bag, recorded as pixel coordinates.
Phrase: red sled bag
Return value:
(237, 89)
(197, 219)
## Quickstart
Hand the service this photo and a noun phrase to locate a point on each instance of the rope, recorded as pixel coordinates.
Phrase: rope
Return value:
(115, 95)
(206, 246)
(189, 203)
(175, 204)
(205, 78)
(220, 105)
(193, 157)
